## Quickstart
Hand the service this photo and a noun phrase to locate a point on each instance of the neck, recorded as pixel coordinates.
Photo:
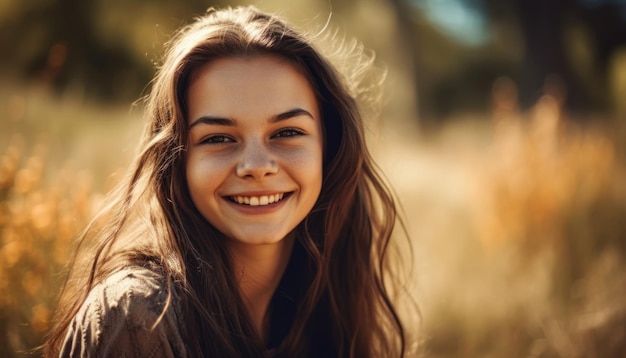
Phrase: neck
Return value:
(259, 269)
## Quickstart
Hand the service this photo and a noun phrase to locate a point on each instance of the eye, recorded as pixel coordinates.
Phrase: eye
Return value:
(288, 132)
(217, 139)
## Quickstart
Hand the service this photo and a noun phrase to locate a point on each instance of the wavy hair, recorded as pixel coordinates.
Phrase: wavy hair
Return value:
(151, 218)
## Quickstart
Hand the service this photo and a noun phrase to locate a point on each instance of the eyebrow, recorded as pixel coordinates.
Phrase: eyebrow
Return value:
(223, 121)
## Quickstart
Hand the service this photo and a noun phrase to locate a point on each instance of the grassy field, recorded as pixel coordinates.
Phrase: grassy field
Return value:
(517, 221)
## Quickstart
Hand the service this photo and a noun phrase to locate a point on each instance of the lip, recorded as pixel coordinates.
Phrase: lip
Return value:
(257, 198)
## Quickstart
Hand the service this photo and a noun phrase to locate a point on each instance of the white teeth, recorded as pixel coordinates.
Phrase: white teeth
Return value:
(258, 200)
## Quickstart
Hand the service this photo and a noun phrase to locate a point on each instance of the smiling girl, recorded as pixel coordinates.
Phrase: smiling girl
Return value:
(253, 223)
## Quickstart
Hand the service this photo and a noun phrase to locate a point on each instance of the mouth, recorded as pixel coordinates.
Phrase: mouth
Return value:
(261, 200)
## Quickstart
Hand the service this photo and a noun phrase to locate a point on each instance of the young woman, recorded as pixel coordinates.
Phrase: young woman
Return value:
(253, 222)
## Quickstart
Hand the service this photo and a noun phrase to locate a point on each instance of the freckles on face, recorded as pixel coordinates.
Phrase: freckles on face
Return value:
(254, 160)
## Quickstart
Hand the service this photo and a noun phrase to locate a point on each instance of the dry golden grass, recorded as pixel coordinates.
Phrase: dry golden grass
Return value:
(518, 223)
(50, 149)
(38, 221)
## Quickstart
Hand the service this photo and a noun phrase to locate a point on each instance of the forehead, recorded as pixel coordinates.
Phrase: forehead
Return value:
(260, 82)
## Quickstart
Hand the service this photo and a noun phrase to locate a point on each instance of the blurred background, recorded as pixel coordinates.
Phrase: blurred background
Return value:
(503, 132)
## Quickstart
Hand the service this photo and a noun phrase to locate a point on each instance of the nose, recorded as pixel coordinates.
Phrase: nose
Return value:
(256, 162)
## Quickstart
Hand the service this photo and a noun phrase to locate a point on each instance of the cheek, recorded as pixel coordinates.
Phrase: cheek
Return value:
(202, 174)
(192, 174)
(307, 166)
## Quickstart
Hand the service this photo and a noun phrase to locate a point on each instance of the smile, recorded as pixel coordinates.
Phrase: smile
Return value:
(258, 200)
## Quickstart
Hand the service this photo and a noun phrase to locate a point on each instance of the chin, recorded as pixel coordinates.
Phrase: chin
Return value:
(267, 241)
(256, 239)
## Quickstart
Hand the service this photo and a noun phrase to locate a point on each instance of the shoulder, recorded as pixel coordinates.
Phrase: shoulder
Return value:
(132, 292)
(131, 313)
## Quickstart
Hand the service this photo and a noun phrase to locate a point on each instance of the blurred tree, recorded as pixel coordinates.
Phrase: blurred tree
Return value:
(62, 44)
(454, 70)
(59, 46)
(409, 39)
(562, 46)
(550, 62)
(545, 56)
(100, 48)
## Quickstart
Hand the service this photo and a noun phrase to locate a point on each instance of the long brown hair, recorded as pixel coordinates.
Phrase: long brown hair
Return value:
(151, 218)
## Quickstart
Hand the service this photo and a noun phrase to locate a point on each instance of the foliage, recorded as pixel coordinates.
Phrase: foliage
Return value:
(518, 228)
(55, 161)
(517, 221)
(39, 218)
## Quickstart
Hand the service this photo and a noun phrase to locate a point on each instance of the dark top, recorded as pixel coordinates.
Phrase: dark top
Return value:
(123, 316)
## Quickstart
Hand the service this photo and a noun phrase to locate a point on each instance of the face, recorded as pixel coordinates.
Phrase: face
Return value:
(254, 161)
